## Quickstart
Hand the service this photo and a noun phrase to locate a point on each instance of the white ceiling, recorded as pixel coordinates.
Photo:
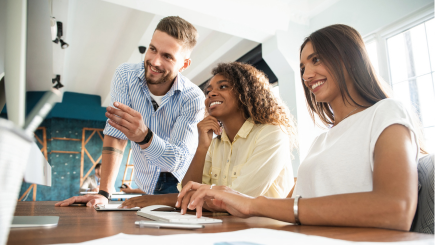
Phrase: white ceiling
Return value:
(102, 34)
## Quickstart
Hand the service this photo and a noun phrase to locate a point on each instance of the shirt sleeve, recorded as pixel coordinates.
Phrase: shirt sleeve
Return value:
(270, 156)
(206, 174)
(388, 113)
(86, 184)
(206, 177)
(172, 155)
(119, 92)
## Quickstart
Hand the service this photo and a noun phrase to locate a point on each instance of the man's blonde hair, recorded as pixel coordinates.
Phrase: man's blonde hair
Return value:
(179, 29)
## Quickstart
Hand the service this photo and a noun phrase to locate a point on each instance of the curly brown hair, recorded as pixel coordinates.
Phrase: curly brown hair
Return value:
(256, 100)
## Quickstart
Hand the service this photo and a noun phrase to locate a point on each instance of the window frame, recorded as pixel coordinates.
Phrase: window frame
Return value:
(380, 37)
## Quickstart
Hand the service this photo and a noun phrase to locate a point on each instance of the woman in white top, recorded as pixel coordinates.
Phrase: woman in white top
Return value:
(362, 171)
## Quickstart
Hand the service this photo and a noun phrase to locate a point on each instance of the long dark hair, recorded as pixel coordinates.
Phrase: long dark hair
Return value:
(339, 45)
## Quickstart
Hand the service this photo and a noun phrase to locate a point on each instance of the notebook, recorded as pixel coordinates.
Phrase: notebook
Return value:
(174, 216)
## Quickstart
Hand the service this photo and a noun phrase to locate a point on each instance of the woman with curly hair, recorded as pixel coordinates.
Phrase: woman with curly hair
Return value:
(363, 170)
(256, 134)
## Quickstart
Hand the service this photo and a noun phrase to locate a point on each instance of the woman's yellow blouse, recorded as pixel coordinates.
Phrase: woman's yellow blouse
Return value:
(256, 163)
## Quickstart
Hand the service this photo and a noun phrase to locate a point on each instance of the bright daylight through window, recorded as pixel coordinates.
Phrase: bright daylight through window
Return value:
(411, 56)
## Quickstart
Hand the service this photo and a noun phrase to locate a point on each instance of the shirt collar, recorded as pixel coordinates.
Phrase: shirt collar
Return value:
(177, 86)
(243, 131)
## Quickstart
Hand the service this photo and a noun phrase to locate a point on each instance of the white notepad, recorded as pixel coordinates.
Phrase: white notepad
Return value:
(175, 217)
(113, 207)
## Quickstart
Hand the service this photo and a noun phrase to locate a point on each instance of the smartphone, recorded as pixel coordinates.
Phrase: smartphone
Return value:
(123, 186)
(159, 224)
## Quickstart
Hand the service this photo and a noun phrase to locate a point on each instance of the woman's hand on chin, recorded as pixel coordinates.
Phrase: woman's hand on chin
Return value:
(193, 195)
(205, 130)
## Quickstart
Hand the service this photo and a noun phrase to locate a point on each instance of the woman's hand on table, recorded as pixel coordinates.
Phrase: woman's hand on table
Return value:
(141, 201)
(193, 195)
(208, 203)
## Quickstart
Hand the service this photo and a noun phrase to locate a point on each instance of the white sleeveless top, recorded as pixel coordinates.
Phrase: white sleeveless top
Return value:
(341, 159)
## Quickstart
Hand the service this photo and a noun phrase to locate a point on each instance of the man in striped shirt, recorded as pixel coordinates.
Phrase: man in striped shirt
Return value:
(157, 109)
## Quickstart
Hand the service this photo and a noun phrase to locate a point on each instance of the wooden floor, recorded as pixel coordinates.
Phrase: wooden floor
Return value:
(79, 224)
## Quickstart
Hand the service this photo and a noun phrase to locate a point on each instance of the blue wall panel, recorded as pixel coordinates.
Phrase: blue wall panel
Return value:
(66, 167)
(67, 120)
(73, 106)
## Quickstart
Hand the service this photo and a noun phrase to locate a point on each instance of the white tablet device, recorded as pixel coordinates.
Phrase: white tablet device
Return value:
(151, 212)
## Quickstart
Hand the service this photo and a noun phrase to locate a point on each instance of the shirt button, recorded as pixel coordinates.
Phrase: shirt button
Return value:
(225, 176)
(228, 160)
(215, 175)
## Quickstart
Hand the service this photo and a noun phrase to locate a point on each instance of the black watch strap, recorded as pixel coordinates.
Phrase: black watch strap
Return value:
(147, 138)
(105, 194)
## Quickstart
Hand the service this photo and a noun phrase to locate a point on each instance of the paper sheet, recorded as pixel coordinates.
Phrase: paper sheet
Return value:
(256, 236)
(114, 207)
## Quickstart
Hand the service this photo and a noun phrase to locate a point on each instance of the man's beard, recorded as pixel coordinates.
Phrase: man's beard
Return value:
(165, 78)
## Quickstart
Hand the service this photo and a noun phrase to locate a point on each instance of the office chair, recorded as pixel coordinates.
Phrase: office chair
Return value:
(424, 216)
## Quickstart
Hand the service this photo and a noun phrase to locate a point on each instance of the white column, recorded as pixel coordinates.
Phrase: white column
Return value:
(281, 53)
(15, 60)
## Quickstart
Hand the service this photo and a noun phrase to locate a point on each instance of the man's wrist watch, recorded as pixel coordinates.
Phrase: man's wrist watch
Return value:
(105, 194)
(147, 138)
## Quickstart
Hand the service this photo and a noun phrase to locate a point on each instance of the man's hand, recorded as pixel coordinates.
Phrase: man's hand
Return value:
(128, 121)
(90, 200)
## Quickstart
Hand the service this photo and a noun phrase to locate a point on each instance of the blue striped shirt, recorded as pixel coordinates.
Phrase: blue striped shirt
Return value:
(173, 124)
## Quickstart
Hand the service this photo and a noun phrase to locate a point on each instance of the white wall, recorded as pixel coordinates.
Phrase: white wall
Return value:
(2, 34)
(367, 16)
(39, 49)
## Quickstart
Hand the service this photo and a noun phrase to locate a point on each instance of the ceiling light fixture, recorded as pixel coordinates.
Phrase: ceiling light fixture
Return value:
(142, 50)
(56, 81)
(63, 44)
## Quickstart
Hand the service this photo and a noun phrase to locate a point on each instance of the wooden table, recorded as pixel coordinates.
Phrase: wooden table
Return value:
(79, 224)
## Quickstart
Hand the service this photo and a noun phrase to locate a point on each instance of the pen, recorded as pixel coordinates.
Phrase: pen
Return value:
(145, 224)
(158, 225)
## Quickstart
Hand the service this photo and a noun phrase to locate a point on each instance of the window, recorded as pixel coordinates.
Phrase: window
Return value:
(372, 50)
(411, 62)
